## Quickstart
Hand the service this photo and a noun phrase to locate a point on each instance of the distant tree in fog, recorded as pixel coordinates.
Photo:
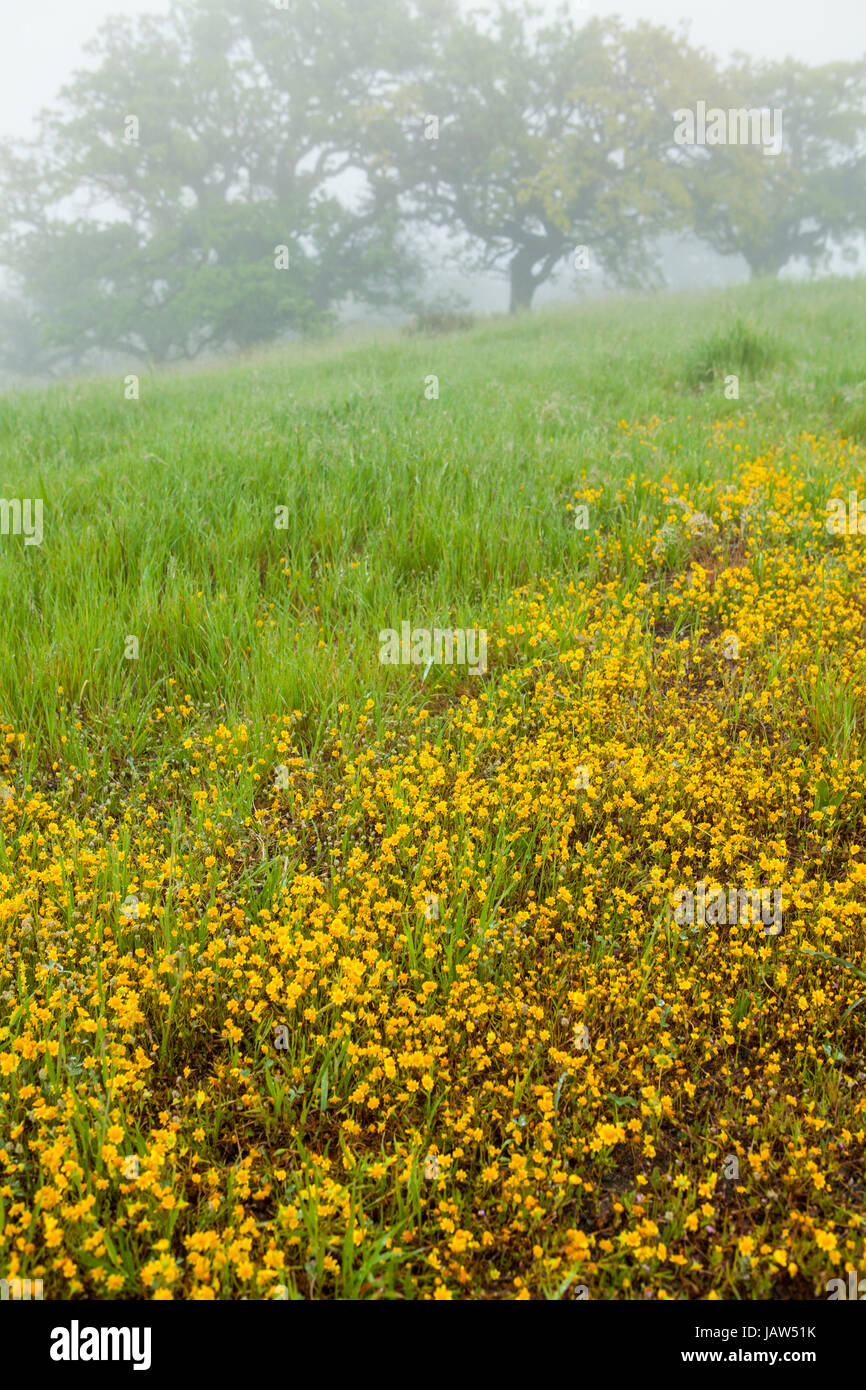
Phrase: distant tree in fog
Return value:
(182, 195)
(550, 137)
(799, 203)
(234, 170)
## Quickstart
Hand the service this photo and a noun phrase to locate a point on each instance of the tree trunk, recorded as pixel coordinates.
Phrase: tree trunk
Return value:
(765, 262)
(523, 282)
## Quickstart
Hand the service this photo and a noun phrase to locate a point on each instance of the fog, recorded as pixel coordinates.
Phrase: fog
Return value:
(41, 44)
(438, 216)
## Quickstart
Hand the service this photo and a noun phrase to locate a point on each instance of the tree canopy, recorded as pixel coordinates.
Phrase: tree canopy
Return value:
(234, 170)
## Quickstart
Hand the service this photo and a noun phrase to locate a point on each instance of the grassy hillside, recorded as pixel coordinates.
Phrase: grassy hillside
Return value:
(326, 977)
(160, 513)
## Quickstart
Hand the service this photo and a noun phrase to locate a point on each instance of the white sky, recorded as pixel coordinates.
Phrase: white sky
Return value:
(41, 43)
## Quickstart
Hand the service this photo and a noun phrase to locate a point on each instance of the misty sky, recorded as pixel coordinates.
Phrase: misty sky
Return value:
(41, 43)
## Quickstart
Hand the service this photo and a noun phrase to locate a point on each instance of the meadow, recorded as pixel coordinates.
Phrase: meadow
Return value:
(323, 977)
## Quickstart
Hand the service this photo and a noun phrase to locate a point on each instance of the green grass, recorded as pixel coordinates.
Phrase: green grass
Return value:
(159, 525)
(160, 513)
(736, 348)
